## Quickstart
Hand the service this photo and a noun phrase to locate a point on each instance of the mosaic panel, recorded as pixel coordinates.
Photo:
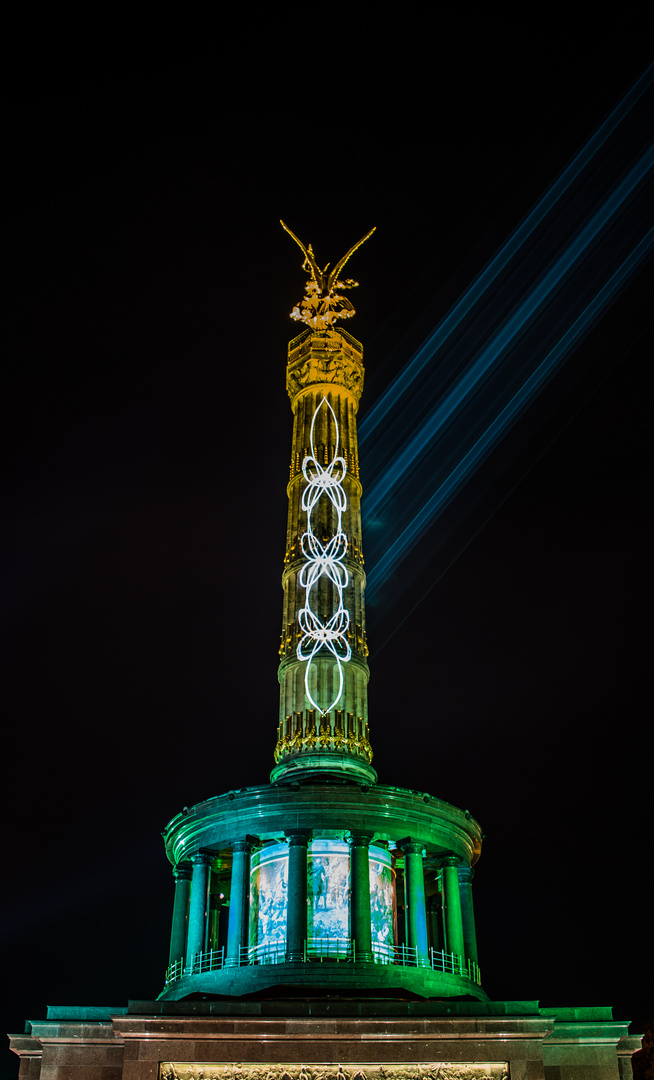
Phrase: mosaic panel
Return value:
(381, 898)
(329, 891)
(268, 880)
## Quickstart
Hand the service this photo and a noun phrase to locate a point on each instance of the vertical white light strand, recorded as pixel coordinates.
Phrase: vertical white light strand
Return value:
(324, 559)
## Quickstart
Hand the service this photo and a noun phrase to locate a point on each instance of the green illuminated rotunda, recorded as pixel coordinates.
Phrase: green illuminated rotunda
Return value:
(324, 879)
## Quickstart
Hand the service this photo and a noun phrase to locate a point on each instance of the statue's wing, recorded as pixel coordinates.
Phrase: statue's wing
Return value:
(339, 265)
(317, 272)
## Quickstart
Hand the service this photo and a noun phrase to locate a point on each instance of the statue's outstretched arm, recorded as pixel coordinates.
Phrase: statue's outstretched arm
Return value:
(317, 272)
(339, 265)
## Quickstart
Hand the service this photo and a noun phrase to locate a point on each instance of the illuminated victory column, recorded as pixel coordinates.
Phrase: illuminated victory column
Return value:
(323, 672)
(323, 864)
(324, 901)
(324, 883)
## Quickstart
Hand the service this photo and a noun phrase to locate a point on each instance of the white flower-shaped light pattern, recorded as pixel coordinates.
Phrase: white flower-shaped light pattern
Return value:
(324, 560)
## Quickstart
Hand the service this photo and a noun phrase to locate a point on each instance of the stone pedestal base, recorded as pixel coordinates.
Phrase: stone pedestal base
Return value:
(326, 1040)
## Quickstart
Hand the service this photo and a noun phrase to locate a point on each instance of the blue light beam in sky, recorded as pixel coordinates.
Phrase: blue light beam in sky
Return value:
(525, 312)
(481, 448)
(388, 401)
(508, 335)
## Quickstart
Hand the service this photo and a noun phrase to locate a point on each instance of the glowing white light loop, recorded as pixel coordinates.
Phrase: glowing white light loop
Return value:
(324, 560)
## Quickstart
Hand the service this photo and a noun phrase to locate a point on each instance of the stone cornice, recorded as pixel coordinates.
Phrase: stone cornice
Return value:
(355, 1029)
(386, 812)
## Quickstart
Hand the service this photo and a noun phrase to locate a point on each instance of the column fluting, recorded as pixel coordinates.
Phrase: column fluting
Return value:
(182, 875)
(238, 927)
(452, 906)
(360, 926)
(198, 907)
(466, 877)
(296, 894)
(414, 898)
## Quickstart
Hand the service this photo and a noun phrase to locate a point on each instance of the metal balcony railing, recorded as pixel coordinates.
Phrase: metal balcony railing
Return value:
(329, 949)
(326, 949)
(272, 953)
(437, 960)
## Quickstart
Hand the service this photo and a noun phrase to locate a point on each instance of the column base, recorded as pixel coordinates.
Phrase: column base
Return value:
(324, 765)
(348, 979)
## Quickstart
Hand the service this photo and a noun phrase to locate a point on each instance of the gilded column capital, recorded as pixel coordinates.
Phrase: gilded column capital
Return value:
(327, 360)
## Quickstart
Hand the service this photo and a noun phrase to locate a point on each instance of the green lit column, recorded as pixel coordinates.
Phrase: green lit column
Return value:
(414, 900)
(466, 876)
(296, 894)
(452, 906)
(182, 875)
(360, 929)
(434, 921)
(198, 909)
(238, 927)
(213, 922)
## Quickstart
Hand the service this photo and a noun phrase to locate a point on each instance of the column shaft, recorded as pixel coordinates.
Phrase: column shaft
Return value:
(414, 900)
(296, 892)
(360, 924)
(238, 927)
(182, 876)
(434, 922)
(466, 875)
(214, 921)
(198, 908)
(452, 907)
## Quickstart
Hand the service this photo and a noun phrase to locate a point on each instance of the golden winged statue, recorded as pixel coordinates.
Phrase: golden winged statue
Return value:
(323, 305)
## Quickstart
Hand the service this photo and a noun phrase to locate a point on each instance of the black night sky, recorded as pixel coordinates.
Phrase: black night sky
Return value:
(146, 297)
